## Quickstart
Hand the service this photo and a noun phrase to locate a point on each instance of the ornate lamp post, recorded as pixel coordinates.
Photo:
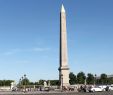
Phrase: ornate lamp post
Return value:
(25, 82)
(85, 82)
(95, 79)
(61, 81)
(22, 82)
(4, 82)
(19, 84)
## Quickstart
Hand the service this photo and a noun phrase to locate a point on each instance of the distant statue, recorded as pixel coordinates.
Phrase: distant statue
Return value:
(45, 84)
(13, 84)
(49, 84)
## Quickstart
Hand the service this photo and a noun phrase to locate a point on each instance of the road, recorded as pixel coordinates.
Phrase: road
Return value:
(56, 93)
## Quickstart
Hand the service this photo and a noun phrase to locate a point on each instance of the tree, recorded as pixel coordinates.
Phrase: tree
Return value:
(72, 78)
(41, 82)
(54, 82)
(31, 83)
(90, 78)
(6, 82)
(81, 78)
(103, 78)
(110, 80)
(98, 81)
(25, 81)
(36, 83)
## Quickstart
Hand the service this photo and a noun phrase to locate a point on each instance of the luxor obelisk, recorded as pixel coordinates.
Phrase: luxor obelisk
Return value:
(63, 69)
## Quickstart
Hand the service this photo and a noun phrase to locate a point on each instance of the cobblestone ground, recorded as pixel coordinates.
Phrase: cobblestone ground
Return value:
(56, 93)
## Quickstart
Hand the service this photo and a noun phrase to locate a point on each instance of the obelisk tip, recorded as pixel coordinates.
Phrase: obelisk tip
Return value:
(62, 8)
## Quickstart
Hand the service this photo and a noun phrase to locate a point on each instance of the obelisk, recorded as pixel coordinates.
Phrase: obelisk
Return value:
(63, 69)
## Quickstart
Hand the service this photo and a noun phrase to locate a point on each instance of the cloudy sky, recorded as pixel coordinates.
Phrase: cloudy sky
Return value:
(29, 37)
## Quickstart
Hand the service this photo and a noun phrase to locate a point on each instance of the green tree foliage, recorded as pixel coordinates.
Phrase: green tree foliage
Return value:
(90, 78)
(98, 81)
(6, 82)
(54, 82)
(110, 81)
(103, 78)
(36, 83)
(81, 78)
(41, 82)
(25, 81)
(72, 77)
(31, 83)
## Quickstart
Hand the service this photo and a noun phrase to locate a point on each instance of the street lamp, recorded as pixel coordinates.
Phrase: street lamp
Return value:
(85, 83)
(95, 79)
(19, 83)
(4, 82)
(24, 75)
(22, 82)
(25, 82)
(61, 81)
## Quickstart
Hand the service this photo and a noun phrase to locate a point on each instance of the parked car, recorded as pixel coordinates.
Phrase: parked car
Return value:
(14, 89)
(106, 87)
(103, 87)
(95, 89)
(111, 87)
(46, 89)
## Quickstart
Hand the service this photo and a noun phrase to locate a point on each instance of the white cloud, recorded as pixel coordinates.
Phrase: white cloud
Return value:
(41, 49)
(23, 62)
(14, 51)
(8, 53)
(11, 52)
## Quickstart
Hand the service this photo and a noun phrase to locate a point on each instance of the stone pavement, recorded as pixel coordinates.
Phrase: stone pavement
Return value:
(56, 93)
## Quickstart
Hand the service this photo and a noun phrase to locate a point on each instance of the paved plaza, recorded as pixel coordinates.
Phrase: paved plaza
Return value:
(56, 93)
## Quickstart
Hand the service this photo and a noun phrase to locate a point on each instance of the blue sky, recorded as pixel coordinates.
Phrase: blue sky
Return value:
(29, 37)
